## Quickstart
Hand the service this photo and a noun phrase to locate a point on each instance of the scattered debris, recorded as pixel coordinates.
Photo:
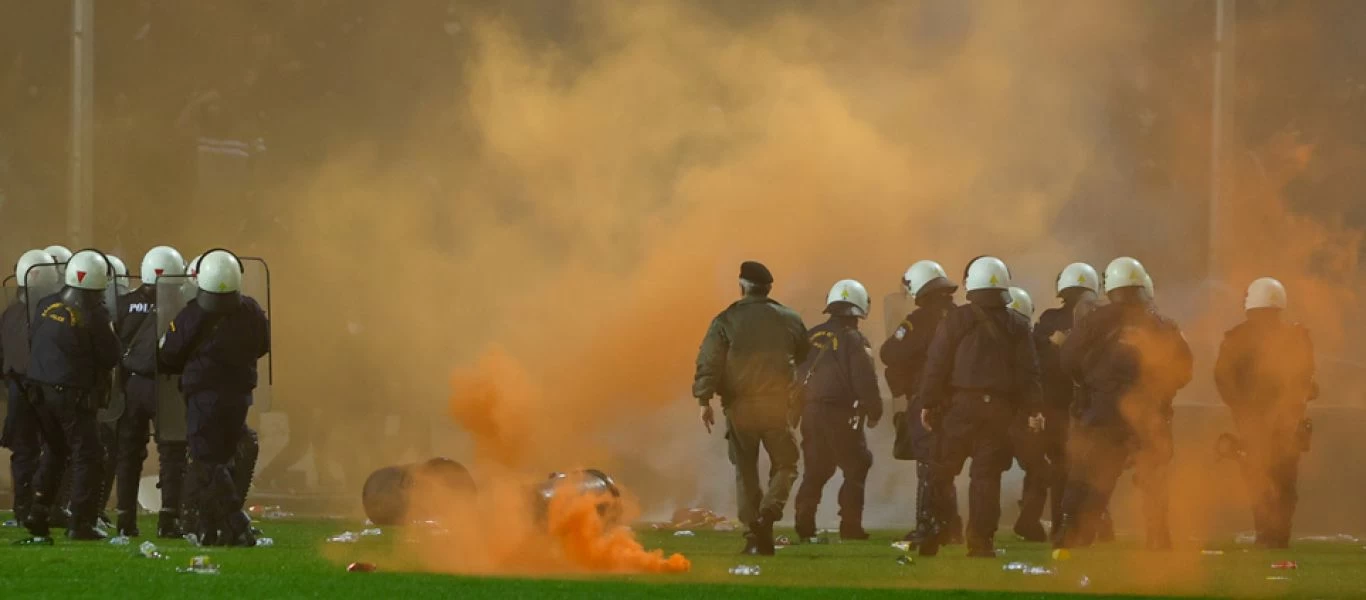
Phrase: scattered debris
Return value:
(149, 550)
(1277, 578)
(902, 546)
(373, 531)
(345, 537)
(1062, 554)
(360, 567)
(1212, 552)
(1246, 537)
(1000, 552)
(1288, 565)
(782, 540)
(11, 523)
(120, 540)
(38, 540)
(905, 561)
(201, 565)
(268, 512)
(745, 570)
(819, 540)
(265, 541)
(727, 526)
(695, 518)
(1026, 569)
(1085, 582)
(684, 533)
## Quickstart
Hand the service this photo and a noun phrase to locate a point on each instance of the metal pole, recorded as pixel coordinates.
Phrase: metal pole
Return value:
(80, 215)
(1221, 186)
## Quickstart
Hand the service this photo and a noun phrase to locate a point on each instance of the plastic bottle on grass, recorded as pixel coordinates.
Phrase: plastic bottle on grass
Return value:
(745, 570)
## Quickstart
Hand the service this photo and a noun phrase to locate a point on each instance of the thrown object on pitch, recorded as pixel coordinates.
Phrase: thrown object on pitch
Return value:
(745, 570)
(1212, 552)
(684, 533)
(360, 567)
(388, 496)
(264, 542)
(345, 537)
(905, 561)
(37, 540)
(1288, 565)
(588, 482)
(373, 531)
(1015, 566)
(149, 493)
(268, 513)
(119, 540)
(903, 546)
(1246, 537)
(11, 523)
(149, 550)
(201, 565)
(1062, 554)
(1339, 538)
(1085, 582)
(696, 518)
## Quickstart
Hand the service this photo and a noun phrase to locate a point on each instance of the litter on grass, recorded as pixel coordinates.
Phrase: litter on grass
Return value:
(263, 542)
(360, 567)
(1288, 565)
(905, 561)
(902, 546)
(372, 531)
(345, 537)
(1212, 552)
(201, 565)
(149, 550)
(1339, 538)
(684, 533)
(120, 540)
(745, 570)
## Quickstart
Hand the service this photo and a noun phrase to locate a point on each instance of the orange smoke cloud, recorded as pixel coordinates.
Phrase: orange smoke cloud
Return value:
(589, 542)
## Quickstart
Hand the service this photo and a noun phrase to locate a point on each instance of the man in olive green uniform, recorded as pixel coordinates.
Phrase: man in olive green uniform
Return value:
(749, 358)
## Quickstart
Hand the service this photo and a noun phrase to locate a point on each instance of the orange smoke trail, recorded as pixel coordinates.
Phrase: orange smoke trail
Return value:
(590, 543)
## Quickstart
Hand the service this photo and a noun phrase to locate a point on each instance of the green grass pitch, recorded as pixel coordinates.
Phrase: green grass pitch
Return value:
(300, 564)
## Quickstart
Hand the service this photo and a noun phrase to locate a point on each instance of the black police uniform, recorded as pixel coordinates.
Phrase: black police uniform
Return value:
(904, 355)
(216, 355)
(73, 349)
(841, 391)
(1131, 362)
(982, 370)
(1042, 455)
(20, 433)
(1265, 374)
(137, 325)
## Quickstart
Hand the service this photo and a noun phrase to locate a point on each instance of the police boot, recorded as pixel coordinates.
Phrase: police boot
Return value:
(763, 534)
(1065, 532)
(951, 534)
(168, 525)
(128, 523)
(237, 531)
(84, 530)
(36, 521)
(852, 530)
(1027, 526)
(922, 495)
(751, 546)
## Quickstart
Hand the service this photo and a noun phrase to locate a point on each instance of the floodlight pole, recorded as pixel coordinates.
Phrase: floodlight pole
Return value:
(80, 209)
(1220, 182)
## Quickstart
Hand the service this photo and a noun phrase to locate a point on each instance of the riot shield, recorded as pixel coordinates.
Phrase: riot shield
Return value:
(256, 284)
(895, 307)
(171, 299)
(35, 291)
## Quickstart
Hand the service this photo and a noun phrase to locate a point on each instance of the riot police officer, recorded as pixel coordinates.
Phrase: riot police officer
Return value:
(904, 355)
(37, 276)
(1265, 374)
(137, 326)
(1131, 362)
(982, 370)
(73, 349)
(1030, 449)
(841, 398)
(215, 343)
(749, 357)
(1077, 284)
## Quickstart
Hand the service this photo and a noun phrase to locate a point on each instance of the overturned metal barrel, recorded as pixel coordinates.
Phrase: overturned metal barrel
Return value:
(588, 482)
(389, 493)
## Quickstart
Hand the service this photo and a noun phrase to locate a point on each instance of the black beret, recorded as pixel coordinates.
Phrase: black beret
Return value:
(755, 272)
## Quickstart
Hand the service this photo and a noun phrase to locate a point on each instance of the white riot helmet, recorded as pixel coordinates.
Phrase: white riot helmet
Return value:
(1265, 293)
(987, 273)
(120, 273)
(218, 275)
(849, 298)
(61, 255)
(1020, 302)
(926, 276)
(1125, 272)
(161, 260)
(88, 270)
(1078, 276)
(1148, 286)
(36, 270)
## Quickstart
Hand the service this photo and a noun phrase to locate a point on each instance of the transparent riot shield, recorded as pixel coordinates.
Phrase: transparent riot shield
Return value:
(37, 290)
(256, 284)
(171, 299)
(895, 307)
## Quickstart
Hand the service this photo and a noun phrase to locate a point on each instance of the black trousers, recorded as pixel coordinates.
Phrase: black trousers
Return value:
(832, 438)
(975, 426)
(66, 420)
(134, 433)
